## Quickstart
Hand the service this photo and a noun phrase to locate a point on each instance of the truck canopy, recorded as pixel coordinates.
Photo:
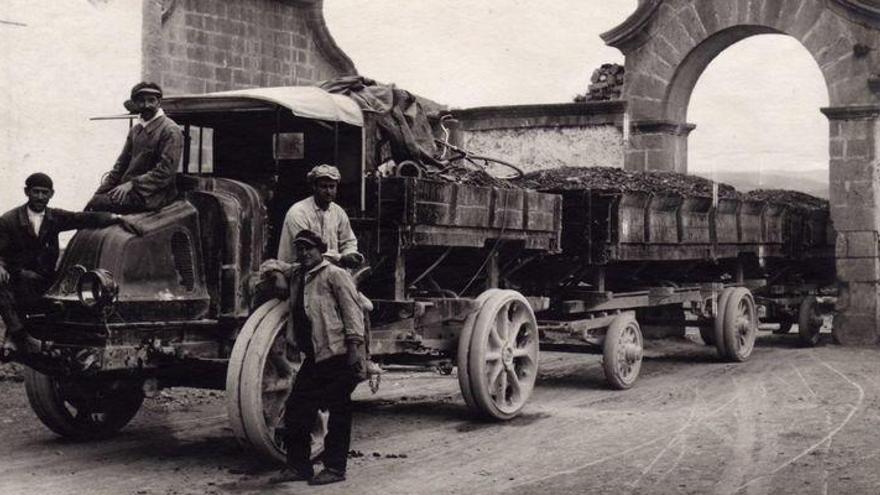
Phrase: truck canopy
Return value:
(302, 101)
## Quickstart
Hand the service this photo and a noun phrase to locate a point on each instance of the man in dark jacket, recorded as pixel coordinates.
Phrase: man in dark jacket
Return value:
(29, 252)
(143, 177)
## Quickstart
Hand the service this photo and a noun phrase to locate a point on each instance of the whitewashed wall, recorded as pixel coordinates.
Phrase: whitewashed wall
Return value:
(71, 60)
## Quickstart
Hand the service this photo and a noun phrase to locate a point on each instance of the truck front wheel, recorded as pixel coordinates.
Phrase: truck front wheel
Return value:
(82, 409)
(258, 382)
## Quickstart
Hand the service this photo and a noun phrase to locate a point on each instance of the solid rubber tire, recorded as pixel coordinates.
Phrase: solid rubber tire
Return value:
(609, 352)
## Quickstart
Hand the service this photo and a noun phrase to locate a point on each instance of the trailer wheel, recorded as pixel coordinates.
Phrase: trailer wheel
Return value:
(809, 322)
(82, 409)
(502, 358)
(718, 327)
(464, 346)
(740, 324)
(258, 381)
(622, 352)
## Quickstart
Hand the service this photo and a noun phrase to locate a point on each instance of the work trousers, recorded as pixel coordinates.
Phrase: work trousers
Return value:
(133, 203)
(22, 293)
(324, 385)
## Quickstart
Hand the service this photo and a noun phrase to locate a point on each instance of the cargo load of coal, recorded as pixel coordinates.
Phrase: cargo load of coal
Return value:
(611, 179)
(471, 175)
(794, 199)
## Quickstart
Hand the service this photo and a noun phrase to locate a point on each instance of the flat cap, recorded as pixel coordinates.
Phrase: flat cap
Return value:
(146, 87)
(310, 238)
(38, 179)
(324, 171)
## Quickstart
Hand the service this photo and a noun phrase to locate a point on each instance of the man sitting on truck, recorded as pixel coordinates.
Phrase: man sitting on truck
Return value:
(143, 178)
(29, 251)
(321, 215)
(328, 328)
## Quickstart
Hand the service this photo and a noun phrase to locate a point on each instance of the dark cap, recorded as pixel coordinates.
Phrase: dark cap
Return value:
(146, 87)
(38, 179)
(310, 238)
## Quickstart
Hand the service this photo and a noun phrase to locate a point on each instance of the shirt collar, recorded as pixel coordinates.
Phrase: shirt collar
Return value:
(144, 123)
(25, 212)
(33, 213)
(317, 267)
(318, 208)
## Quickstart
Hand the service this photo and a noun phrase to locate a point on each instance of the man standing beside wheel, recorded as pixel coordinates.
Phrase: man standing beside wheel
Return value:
(327, 326)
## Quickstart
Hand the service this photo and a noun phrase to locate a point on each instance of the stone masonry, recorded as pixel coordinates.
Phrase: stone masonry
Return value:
(198, 46)
(669, 43)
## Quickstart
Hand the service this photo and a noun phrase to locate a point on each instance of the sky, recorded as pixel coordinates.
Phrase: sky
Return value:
(756, 107)
(56, 71)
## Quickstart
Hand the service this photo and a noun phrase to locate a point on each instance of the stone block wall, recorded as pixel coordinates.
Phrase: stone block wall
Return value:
(855, 163)
(197, 46)
(536, 137)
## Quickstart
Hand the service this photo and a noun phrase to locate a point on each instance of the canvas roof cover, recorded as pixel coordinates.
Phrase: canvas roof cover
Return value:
(303, 101)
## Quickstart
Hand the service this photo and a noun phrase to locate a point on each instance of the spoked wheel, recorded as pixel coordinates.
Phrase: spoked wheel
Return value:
(740, 324)
(498, 361)
(809, 322)
(622, 352)
(82, 409)
(258, 382)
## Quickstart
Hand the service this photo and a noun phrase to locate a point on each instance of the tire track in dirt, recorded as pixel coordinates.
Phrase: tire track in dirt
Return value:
(827, 438)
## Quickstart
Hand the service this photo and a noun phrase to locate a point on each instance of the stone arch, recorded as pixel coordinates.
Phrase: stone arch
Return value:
(684, 80)
(669, 43)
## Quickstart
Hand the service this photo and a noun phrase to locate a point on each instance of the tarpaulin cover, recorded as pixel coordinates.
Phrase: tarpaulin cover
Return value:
(399, 116)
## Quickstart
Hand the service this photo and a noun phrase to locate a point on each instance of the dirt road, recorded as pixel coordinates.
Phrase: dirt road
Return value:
(790, 420)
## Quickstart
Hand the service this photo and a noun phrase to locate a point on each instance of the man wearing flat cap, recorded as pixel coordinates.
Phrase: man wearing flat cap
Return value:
(327, 326)
(321, 215)
(29, 252)
(143, 177)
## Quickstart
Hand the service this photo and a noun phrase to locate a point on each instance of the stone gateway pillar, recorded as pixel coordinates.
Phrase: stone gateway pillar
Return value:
(669, 43)
(855, 191)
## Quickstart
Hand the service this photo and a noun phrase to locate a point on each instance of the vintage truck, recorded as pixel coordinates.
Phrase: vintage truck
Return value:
(463, 276)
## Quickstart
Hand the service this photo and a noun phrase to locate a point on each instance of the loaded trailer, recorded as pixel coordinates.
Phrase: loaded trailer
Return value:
(461, 274)
(678, 261)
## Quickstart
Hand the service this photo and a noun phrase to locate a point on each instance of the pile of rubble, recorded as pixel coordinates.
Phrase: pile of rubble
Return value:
(606, 84)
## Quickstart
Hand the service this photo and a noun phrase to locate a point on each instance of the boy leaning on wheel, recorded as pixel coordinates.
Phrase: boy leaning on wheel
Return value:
(327, 326)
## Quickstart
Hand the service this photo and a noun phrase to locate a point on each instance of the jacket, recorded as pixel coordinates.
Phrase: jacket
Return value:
(149, 160)
(332, 305)
(21, 249)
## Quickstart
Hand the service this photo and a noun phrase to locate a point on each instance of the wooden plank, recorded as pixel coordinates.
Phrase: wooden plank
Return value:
(695, 221)
(726, 221)
(607, 301)
(630, 218)
(507, 212)
(438, 235)
(773, 223)
(750, 222)
(662, 219)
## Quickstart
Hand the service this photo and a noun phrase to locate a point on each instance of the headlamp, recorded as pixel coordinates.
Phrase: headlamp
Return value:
(97, 289)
